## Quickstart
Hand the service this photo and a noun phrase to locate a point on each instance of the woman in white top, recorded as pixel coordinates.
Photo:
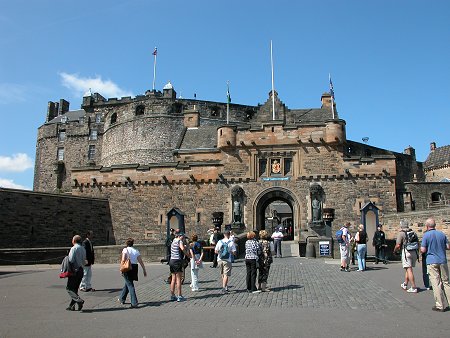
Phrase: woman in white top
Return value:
(132, 275)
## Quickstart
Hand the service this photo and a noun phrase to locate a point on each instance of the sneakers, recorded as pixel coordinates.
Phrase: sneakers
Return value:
(120, 301)
(434, 308)
(173, 298)
(404, 286)
(412, 290)
(225, 291)
(257, 291)
(180, 299)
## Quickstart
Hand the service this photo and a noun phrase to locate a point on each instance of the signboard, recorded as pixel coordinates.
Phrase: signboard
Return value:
(324, 248)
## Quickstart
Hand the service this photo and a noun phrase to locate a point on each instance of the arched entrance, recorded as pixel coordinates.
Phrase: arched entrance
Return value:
(277, 207)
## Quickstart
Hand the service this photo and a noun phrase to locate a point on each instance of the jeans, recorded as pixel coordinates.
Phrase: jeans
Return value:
(250, 264)
(277, 245)
(87, 276)
(128, 287)
(194, 279)
(362, 249)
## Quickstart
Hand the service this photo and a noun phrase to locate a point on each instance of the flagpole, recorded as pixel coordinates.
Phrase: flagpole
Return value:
(332, 95)
(273, 90)
(228, 102)
(154, 68)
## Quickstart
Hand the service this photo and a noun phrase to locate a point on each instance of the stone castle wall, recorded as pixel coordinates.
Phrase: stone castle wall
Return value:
(34, 220)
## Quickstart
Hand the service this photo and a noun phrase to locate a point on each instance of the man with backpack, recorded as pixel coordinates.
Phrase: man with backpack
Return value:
(343, 238)
(434, 245)
(408, 243)
(225, 250)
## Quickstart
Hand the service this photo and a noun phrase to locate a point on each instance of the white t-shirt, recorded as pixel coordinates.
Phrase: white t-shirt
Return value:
(277, 235)
(231, 249)
(132, 253)
(346, 234)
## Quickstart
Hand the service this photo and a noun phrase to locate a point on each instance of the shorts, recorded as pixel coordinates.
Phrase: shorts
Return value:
(409, 258)
(225, 268)
(343, 249)
(176, 266)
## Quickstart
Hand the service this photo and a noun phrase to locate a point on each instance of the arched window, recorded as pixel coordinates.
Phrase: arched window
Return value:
(140, 110)
(215, 111)
(113, 118)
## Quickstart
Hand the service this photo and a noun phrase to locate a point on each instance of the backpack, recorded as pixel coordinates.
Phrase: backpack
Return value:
(66, 268)
(411, 241)
(224, 252)
(339, 235)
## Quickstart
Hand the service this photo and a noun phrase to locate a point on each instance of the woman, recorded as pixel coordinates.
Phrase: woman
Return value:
(196, 261)
(252, 251)
(177, 252)
(130, 276)
(361, 247)
(265, 259)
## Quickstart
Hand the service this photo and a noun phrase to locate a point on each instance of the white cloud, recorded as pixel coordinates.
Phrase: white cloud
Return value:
(17, 163)
(81, 85)
(5, 183)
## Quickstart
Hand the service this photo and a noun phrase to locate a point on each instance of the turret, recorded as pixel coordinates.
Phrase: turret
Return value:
(226, 136)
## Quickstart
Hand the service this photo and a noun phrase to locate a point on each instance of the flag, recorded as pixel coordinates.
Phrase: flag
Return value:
(155, 51)
(228, 94)
(331, 88)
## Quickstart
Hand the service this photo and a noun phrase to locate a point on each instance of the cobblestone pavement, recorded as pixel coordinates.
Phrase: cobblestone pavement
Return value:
(295, 282)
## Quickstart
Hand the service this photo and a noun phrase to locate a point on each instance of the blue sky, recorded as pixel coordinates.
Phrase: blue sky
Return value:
(389, 61)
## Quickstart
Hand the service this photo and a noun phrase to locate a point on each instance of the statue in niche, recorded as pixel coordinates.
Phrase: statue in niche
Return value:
(316, 210)
(237, 194)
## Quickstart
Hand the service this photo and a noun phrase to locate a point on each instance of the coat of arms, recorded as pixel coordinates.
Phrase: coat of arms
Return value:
(276, 167)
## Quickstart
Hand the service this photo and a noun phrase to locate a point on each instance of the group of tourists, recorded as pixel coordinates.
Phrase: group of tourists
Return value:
(259, 253)
(432, 250)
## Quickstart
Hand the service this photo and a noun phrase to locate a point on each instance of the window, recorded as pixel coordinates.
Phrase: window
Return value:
(262, 167)
(64, 119)
(287, 166)
(114, 118)
(81, 120)
(60, 154)
(61, 135)
(98, 118)
(93, 134)
(140, 110)
(91, 152)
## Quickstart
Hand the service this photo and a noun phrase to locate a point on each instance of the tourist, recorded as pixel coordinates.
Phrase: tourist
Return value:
(434, 245)
(265, 260)
(277, 237)
(379, 242)
(196, 249)
(361, 247)
(215, 238)
(252, 252)
(129, 252)
(225, 258)
(178, 251)
(77, 257)
(87, 269)
(344, 248)
(409, 258)
(169, 240)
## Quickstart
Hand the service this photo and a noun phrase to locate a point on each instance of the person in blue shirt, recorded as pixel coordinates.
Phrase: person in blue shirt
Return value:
(434, 245)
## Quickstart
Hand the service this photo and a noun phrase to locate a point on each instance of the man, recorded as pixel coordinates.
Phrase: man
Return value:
(225, 264)
(277, 237)
(409, 258)
(87, 269)
(216, 237)
(344, 248)
(379, 242)
(77, 257)
(434, 244)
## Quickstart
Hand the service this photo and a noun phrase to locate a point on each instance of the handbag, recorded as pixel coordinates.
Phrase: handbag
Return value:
(125, 265)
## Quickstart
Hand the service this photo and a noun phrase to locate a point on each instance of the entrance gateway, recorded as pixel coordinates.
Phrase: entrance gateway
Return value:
(277, 206)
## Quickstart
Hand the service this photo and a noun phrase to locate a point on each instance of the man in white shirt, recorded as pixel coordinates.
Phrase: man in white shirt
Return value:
(277, 237)
(225, 258)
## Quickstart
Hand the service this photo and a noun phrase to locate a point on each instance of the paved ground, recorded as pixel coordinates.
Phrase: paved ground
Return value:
(310, 297)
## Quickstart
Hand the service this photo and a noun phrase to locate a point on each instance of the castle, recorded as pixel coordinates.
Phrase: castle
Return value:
(161, 160)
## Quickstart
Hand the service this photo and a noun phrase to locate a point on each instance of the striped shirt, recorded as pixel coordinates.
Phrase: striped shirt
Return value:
(252, 249)
(175, 251)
